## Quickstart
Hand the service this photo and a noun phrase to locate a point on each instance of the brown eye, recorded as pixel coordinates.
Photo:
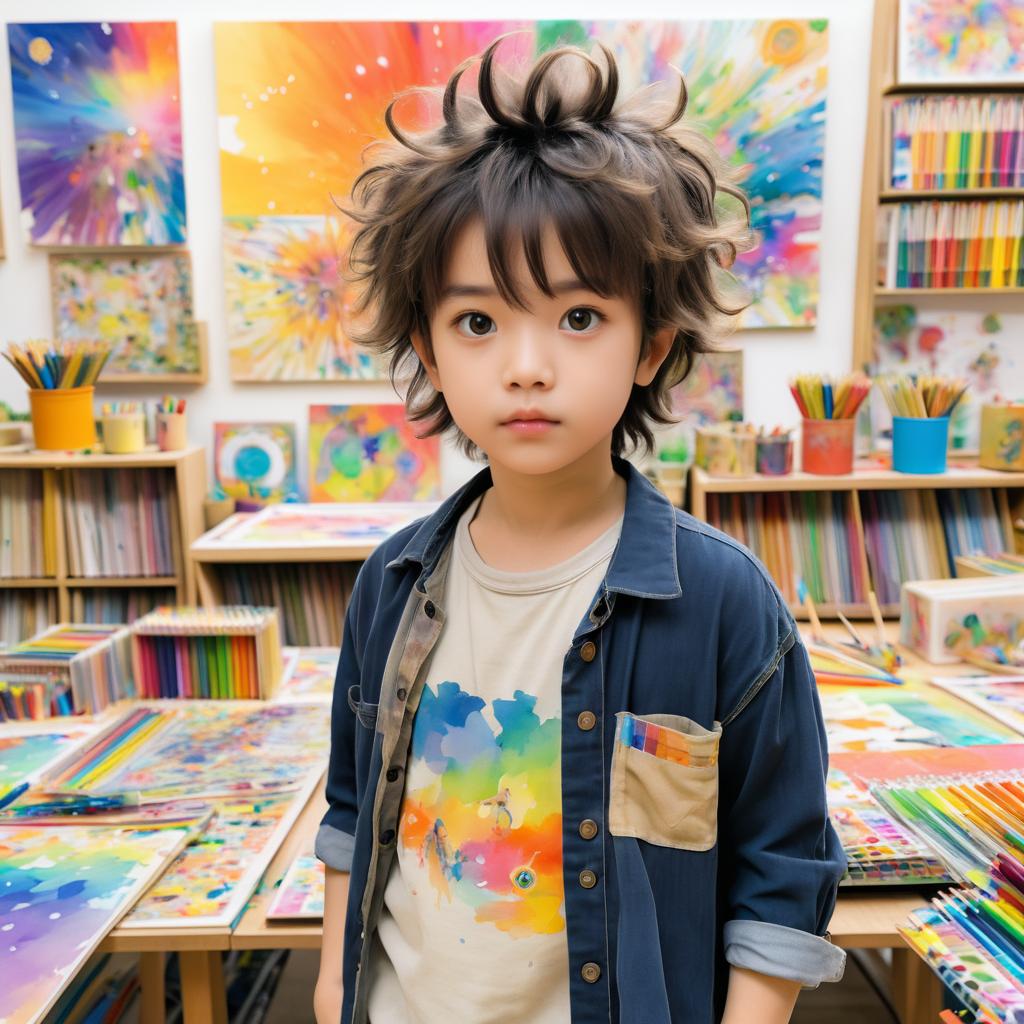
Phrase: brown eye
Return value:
(580, 319)
(477, 324)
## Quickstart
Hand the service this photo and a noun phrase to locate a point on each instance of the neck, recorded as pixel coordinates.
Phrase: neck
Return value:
(583, 493)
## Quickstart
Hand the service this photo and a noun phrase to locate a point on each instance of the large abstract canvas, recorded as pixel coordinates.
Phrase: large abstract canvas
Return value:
(370, 453)
(97, 125)
(61, 890)
(298, 102)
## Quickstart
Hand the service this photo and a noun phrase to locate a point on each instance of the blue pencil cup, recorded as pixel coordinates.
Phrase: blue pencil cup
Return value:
(919, 445)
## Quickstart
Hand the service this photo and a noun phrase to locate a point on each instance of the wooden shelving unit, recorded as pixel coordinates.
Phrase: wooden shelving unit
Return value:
(1007, 492)
(188, 470)
(876, 190)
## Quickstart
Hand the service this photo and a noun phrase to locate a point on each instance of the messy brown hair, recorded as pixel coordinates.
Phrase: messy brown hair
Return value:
(629, 188)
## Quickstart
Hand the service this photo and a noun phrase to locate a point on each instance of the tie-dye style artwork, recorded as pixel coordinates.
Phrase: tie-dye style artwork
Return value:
(141, 304)
(255, 461)
(481, 821)
(299, 101)
(97, 125)
(309, 675)
(301, 892)
(961, 41)
(711, 393)
(61, 891)
(974, 337)
(212, 879)
(370, 453)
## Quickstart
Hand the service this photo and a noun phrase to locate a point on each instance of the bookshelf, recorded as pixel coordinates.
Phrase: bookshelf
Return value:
(877, 193)
(842, 534)
(94, 538)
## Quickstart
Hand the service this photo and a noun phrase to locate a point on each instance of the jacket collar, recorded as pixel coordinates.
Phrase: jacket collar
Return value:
(644, 563)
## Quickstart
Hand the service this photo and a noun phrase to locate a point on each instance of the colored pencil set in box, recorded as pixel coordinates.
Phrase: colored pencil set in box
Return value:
(66, 669)
(219, 653)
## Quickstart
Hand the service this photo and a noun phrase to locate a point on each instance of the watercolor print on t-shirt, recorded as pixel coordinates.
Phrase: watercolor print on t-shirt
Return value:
(482, 813)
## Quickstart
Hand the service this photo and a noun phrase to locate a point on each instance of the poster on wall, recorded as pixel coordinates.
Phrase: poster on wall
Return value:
(298, 103)
(97, 128)
(961, 41)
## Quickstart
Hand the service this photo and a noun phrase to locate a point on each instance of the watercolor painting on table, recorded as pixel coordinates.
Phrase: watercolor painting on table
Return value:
(139, 303)
(757, 89)
(210, 882)
(973, 337)
(255, 461)
(97, 128)
(1002, 697)
(964, 41)
(25, 755)
(61, 891)
(370, 453)
(309, 675)
(301, 892)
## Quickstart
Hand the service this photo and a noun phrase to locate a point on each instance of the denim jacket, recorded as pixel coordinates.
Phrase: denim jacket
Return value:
(728, 858)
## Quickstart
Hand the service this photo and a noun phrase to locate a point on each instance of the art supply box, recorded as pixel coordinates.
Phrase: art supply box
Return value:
(727, 449)
(1002, 437)
(932, 610)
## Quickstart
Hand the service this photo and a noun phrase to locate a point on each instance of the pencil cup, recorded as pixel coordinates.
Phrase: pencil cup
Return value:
(170, 431)
(124, 433)
(827, 446)
(774, 456)
(62, 419)
(919, 444)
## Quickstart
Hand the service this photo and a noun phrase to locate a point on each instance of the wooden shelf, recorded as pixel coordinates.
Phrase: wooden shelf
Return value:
(949, 291)
(953, 88)
(946, 194)
(121, 581)
(27, 582)
(151, 458)
(851, 611)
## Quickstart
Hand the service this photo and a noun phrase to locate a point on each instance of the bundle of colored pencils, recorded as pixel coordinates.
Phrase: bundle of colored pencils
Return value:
(819, 398)
(921, 397)
(70, 364)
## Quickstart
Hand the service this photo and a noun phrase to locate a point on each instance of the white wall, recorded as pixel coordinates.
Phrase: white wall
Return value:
(770, 356)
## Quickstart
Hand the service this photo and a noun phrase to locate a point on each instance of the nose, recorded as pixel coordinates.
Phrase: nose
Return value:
(528, 361)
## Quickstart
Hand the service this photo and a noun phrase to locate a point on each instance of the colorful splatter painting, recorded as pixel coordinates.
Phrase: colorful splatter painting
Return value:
(97, 125)
(757, 88)
(1002, 697)
(61, 891)
(974, 337)
(309, 676)
(961, 41)
(25, 755)
(141, 304)
(255, 461)
(370, 453)
(712, 393)
(301, 892)
(214, 876)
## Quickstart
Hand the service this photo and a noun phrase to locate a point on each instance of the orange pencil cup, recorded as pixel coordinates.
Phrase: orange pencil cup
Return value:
(827, 446)
(62, 418)
(171, 435)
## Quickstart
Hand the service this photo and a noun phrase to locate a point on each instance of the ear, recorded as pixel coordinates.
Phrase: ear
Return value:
(647, 368)
(426, 359)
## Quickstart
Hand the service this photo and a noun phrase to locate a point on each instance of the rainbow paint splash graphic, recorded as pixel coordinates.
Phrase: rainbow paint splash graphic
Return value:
(97, 121)
(482, 811)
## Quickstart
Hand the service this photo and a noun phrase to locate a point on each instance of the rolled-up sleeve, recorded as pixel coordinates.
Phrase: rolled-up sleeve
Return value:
(335, 840)
(780, 856)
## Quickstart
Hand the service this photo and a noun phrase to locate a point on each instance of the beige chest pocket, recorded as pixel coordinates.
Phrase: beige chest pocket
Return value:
(664, 786)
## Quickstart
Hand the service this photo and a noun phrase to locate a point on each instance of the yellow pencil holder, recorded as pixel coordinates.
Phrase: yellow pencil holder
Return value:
(124, 433)
(1002, 437)
(62, 419)
(171, 435)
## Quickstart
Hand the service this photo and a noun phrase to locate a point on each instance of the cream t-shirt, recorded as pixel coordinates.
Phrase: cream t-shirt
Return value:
(473, 923)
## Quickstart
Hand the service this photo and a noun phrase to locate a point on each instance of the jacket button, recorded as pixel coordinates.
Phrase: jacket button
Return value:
(387, 836)
(429, 609)
(588, 650)
(587, 720)
(591, 972)
(588, 879)
(588, 828)
(402, 693)
(392, 775)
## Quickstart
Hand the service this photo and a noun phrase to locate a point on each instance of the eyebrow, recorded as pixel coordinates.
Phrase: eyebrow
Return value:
(457, 291)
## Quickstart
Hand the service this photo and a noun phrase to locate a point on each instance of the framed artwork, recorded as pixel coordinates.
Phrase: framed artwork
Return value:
(97, 126)
(370, 453)
(141, 303)
(255, 461)
(961, 41)
(757, 86)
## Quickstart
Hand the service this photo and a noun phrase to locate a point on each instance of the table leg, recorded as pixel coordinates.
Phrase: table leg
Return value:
(151, 984)
(916, 991)
(202, 987)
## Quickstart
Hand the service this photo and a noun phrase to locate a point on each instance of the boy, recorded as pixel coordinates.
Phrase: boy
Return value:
(577, 766)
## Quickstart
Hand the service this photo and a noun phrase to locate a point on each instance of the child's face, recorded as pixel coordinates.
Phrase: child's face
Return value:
(537, 388)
